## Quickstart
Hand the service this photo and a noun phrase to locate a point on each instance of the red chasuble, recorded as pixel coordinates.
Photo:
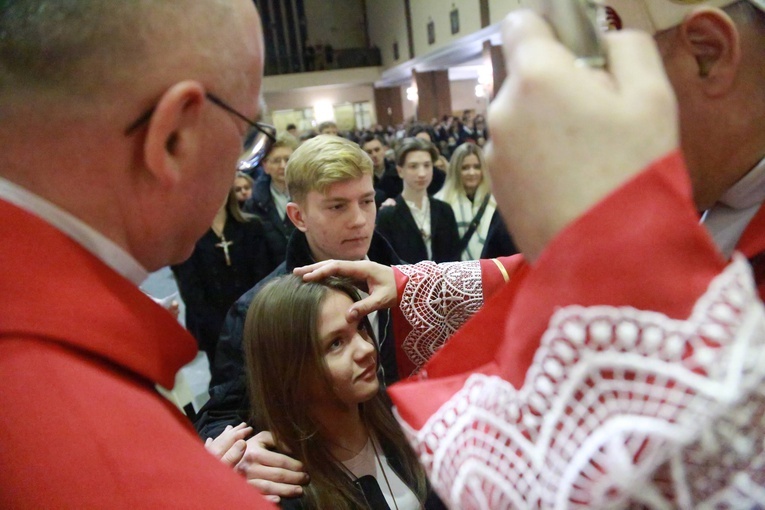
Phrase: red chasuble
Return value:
(624, 369)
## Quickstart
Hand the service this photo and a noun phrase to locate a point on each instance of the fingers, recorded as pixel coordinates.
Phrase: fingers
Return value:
(358, 270)
(309, 269)
(271, 472)
(259, 452)
(637, 68)
(364, 307)
(521, 27)
(234, 454)
(227, 439)
(276, 491)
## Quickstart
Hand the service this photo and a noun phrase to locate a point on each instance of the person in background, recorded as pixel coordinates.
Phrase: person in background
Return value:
(330, 181)
(292, 129)
(313, 383)
(468, 191)
(145, 106)
(243, 185)
(440, 168)
(387, 182)
(226, 262)
(327, 127)
(270, 197)
(419, 227)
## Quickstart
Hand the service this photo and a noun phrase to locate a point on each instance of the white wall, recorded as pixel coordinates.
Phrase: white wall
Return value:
(463, 97)
(386, 20)
(438, 11)
(305, 98)
(339, 23)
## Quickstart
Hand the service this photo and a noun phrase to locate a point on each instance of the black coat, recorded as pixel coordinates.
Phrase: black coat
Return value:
(397, 224)
(499, 242)
(209, 286)
(229, 402)
(261, 204)
(389, 184)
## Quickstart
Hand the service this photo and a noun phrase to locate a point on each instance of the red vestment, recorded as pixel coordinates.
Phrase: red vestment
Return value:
(624, 368)
(81, 349)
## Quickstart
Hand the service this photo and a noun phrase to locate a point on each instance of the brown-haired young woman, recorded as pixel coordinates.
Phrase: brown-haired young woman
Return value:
(314, 385)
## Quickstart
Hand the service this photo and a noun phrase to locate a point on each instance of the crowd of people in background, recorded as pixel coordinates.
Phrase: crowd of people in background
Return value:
(432, 193)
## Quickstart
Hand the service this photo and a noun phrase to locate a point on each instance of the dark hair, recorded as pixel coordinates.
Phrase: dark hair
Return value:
(291, 126)
(416, 129)
(371, 137)
(415, 144)
(281, 343)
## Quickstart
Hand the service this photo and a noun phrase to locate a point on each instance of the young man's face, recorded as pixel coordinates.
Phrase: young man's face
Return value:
(339, 223)
(417, 171)
(376, 151)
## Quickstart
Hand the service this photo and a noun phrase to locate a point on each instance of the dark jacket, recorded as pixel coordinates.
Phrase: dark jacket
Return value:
(209, 286)
(261, 204)
(397, 224)
(389, 184)
(499, 242)
(369, 488)
(229, 402)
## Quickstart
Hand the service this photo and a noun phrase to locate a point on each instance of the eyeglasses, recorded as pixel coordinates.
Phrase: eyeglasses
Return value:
(257, 143)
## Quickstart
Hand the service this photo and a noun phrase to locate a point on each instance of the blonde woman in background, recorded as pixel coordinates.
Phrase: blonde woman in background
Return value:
(468, 191)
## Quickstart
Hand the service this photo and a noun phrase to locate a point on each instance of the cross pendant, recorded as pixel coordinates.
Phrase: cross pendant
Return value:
(225, 244)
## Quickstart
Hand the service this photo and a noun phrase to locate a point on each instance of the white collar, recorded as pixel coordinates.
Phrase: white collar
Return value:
(90, 239)
(748, 191)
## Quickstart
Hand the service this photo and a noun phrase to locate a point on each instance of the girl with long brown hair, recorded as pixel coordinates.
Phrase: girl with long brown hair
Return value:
(313, 383)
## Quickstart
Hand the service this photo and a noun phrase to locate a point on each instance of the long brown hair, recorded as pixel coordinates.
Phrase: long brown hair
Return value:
(281, 340)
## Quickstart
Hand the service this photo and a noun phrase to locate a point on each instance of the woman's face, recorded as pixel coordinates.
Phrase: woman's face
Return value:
(275, 164)
(242, 189)
(348, 351)
(471, 173)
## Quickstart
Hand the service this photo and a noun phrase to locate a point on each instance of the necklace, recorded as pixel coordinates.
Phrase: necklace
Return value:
(385, 476)
(224, 245)
(421, 225)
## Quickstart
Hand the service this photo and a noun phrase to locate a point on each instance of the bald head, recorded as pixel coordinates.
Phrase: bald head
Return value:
(87, 48)
(74, 74)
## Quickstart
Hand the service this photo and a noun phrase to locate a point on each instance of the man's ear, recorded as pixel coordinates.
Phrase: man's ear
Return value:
(400, 171)
(712, 38)
(173, 131)
(295, 214)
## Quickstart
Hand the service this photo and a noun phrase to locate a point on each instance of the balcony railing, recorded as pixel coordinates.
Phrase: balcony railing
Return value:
(320, 58)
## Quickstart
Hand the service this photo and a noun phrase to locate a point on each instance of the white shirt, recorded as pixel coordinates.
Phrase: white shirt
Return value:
(280, 201)
(422, 219)
(728, 218)
(366, 463)
(96, 243)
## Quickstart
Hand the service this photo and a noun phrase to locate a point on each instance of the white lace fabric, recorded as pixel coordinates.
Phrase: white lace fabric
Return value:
(621, 408)
(437, 300)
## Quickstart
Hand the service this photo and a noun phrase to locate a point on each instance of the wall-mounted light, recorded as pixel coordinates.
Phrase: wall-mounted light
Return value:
(411, 94)
(323, 110)
(485, 82)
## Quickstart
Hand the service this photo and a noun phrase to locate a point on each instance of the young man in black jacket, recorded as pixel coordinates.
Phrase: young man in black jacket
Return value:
(329, 180)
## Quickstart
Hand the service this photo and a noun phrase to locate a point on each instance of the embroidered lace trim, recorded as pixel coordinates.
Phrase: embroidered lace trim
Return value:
(437, 300)
(620, 408)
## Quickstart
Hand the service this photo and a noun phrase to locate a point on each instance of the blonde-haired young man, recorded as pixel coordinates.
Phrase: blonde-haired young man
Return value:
(332, 206)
